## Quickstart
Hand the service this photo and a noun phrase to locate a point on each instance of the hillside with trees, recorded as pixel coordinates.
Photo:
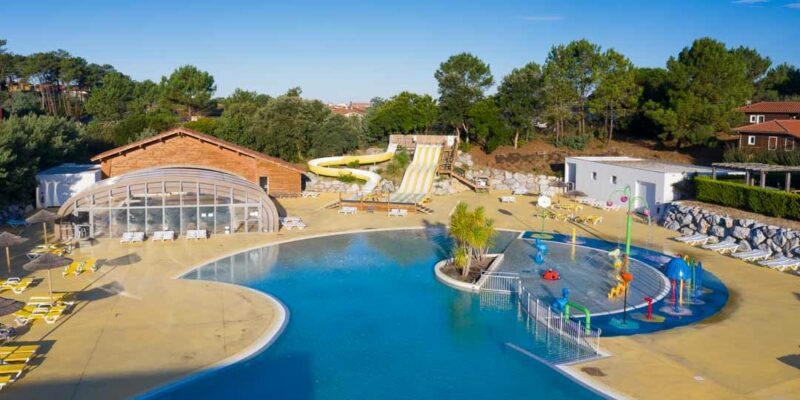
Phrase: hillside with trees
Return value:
(57, 107)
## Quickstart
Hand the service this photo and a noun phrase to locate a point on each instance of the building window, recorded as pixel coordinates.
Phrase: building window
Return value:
(263, 181)
(751, 140)
(756, 119)
(788, 144)
(772, 143)
(594, 176)
(614, 179)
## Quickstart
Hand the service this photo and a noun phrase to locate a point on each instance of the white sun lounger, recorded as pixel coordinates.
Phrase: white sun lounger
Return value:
(137, 237)
(727, 246)
(294, 224)
(157, 236)
(127, 237)
(693, 240)
(348, 210)
(169, 235)
(519, 191)
(398, 212)
(752, 255)
(782, 263)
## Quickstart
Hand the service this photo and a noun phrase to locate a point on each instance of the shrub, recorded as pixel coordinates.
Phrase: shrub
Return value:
(575, 142)
(353, 164)
(349, 178)
(734, 154)
(770, 202)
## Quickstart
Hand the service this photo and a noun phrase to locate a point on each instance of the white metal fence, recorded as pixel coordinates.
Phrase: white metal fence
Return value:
(576, 341)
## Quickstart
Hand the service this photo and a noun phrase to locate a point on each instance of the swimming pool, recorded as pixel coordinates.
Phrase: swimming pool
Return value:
(369, 320)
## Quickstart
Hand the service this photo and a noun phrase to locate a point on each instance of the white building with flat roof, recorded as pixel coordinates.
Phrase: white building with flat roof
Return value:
(56, 185)
(651, 180)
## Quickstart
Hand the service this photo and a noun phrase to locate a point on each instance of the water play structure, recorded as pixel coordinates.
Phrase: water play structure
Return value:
(563, 305)
(330, 166)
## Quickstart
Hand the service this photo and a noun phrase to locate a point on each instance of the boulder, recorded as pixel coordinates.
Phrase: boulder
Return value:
(717, 231)
(687, 231)
(674, 225)
(744, 245)
(757, 236)
(740, 232)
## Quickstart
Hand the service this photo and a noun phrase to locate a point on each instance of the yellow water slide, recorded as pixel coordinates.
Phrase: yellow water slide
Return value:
(327, 166)
(418, 178)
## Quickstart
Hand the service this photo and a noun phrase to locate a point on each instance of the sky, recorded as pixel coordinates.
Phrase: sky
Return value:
(341, 51)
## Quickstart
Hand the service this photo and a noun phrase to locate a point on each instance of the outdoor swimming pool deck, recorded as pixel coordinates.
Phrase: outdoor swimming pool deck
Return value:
(159, 329)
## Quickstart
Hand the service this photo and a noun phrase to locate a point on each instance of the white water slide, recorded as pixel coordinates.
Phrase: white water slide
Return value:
(418, 178)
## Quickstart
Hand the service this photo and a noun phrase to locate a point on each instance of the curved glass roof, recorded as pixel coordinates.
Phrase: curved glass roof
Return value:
(129, 190)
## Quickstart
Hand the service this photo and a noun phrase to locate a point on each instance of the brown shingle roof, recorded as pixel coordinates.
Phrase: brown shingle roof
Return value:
(200, 136)
(768, 107)
(780, 126)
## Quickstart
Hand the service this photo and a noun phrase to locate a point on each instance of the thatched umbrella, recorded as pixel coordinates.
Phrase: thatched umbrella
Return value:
(47, 261)
(42, 216)
(7, 240)
(8, 306)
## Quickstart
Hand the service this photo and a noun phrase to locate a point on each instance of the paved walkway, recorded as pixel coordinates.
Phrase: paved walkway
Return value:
(140, 328)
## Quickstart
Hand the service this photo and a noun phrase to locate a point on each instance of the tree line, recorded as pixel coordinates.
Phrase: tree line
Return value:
(582, 91)
(71, 109)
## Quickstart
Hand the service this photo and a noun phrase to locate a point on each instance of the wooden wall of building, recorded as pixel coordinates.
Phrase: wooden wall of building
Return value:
(762, 141)
(189, 151)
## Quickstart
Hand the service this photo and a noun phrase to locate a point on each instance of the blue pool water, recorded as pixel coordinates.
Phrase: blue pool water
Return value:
(368, 320)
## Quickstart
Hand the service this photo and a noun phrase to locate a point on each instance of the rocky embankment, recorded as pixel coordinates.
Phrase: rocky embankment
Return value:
(748, 233)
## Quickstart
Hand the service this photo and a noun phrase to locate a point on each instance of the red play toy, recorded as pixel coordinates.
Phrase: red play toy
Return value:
(551, 275)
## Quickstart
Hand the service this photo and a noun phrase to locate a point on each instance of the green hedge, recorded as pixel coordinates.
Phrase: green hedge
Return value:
(775, 203)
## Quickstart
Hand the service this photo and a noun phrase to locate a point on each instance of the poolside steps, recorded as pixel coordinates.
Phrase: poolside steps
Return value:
(423, 209)
(332, 205)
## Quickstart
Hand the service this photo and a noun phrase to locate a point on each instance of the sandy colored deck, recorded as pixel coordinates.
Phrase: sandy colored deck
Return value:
(140, 328)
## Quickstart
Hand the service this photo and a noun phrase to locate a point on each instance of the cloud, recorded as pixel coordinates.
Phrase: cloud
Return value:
(795, 6)
(541, 18)
(749, 1)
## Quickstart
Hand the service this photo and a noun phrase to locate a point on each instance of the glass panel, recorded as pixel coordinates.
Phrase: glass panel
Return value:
(188, 218)
(119, 222)
(223, 217)
(154, 222)
(136, 222)
(189, 193)
(173, 195)
(206, 194)
(238, 220)
(101, 199)
(206, 219)
(252, 219)
(223, 195)
(119, 196)
(83, 202)
(172, 219)
(155, 194)
(239, 197)
(137, 195)
(100, 222)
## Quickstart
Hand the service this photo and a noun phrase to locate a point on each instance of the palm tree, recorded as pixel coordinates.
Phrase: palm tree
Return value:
(473, 234)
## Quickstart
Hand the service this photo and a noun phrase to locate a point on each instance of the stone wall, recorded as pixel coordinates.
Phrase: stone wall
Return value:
(501, 179)
(748, 233)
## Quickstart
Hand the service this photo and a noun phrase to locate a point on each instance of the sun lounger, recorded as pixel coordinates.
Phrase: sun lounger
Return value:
(398, 212)
(22, 285)
(310, 194)
(17, 357)
(89, 265)
(519, 191)
(693, 240)
(30, 348)
(29, 313)
(727, 246)
(56, 299)
(158, 236)
(348, 210)
(196, 234)
(138, 237)
(752, 255)
(73, 269)
(294, 224)
(12, 370)
(4, 380)
(169, 235)
(54, 314)
(782, 263)
(9, 283)
(17, 222)
(127, 237)
(508, 199)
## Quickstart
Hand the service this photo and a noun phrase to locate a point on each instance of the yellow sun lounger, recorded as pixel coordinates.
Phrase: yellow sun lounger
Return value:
(23, 357)
(14, 370)
(89, 266)
(29, 348)
(73, 269)
(4, 380)
(23, 317)
(22, 285)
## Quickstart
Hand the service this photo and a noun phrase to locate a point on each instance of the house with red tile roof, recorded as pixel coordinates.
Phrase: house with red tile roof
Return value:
(773, 135)
(770, 110)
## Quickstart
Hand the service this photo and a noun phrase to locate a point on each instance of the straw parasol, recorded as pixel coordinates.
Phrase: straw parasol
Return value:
(47, 261)
(42, 216)
(7, 240)
(8, 306)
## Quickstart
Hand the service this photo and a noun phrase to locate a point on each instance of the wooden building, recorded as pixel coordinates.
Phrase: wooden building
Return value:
(183, 147)
(774, 135)
(771, 110)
